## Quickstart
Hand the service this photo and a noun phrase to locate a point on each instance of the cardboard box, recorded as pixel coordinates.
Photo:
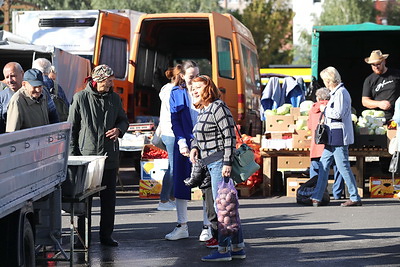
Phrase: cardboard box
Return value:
(152, 172)
(276, 143)
(150, 189)
(302, 139)
(292, 184)
(295, 112)
(293, 163)
(278, 135)
(245, 190)
(279, 123)
(382, 187)
(153, 169)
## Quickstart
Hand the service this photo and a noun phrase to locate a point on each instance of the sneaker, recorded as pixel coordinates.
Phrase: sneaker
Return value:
(212, 243)
(216, 256)
(179, 232)
(166, 206)
(240, 254)
(205, 233)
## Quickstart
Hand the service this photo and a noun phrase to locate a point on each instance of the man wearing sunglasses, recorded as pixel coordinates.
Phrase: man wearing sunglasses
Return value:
(382, 87)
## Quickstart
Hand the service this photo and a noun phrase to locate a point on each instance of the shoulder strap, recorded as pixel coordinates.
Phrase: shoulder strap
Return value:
(237, 129)
(320, 117)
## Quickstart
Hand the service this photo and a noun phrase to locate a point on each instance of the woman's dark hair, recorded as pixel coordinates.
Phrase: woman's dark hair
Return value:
(183, 68)
(210, 92)
(173, 72)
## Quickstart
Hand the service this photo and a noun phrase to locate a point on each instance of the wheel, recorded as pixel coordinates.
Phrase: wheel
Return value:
(17, 251)
(28, 245)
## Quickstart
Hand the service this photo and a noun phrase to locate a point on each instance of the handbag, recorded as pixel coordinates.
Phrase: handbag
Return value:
(321, 132)
(243, 165)
(156, 140)
(243, 162)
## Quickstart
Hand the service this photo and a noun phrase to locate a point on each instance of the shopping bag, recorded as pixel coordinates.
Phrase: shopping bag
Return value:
(394, 163)
(321, 132)
(244, 164)
(305, 191)
(227, 205)
(156, 140)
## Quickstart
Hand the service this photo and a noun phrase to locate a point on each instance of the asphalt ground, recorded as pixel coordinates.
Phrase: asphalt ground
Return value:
(277, 232)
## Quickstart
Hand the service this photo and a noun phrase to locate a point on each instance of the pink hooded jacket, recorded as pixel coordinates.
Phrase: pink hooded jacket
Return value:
(313, 119)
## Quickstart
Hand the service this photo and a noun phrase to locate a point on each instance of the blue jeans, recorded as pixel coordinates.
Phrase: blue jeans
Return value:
(236, 240)
(167, 190)
(338, 185)
(341, 156)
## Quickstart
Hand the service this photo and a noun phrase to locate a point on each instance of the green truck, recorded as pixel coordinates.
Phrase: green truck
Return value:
(345, 47)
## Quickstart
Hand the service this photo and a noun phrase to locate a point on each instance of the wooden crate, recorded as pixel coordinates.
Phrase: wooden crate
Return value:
(246, 191)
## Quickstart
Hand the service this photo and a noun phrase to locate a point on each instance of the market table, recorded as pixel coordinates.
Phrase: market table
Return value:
(270, 163)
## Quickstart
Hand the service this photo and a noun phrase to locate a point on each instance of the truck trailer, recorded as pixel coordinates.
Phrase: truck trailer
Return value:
(345, 47)
(33, 165)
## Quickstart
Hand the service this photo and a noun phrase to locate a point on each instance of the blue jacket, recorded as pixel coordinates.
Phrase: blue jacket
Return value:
(272, 96)
(294, 94)
(338, 117)
(182, 126)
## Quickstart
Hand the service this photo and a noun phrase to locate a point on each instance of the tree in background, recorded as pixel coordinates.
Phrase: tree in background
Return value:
(271, 25)
(342, 12)
(159, 6)
(302, 52)
(146, 6)
(61, 4)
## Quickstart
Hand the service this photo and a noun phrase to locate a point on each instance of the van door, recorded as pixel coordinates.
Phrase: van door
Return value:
(112, 48)
(222, 55)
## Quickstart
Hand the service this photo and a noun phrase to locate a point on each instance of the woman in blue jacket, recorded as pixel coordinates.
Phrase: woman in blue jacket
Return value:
(337, 114)
(183, 118)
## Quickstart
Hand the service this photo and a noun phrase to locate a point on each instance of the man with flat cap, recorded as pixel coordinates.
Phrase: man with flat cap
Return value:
(28, 106)
(98, 119)
(382, 87)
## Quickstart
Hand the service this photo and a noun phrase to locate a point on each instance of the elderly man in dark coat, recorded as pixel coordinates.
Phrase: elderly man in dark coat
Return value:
(98, 119)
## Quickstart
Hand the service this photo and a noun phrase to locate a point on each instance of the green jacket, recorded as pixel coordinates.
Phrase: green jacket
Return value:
(92, 115)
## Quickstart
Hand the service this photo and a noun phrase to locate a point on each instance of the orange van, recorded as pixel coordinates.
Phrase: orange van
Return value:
(222, 46)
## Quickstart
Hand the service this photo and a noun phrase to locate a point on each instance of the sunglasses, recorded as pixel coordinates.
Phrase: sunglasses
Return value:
(377, 64)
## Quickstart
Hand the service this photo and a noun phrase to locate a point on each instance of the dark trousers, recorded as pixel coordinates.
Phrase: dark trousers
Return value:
(210, 209)
(107, 203)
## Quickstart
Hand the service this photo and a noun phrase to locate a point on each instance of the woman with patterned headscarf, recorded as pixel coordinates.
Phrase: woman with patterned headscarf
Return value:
(98, 119)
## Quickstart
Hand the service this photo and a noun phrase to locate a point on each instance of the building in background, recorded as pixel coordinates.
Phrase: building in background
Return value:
(305, 13)
(233, 4)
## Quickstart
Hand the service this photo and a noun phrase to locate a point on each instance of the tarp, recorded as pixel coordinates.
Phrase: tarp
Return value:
(367, 26)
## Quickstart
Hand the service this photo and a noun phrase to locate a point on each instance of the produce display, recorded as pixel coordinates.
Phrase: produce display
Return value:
(371, 122)
(282, 110)
(227, 209)
(153, 152)
(305, 107)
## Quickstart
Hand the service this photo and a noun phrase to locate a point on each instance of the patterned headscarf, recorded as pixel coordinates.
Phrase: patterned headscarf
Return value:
(101, 72)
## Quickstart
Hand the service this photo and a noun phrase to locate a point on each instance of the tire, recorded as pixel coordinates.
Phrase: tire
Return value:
(28, 245)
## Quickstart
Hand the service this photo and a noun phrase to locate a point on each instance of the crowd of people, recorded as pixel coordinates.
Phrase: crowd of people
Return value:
(198, 131)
